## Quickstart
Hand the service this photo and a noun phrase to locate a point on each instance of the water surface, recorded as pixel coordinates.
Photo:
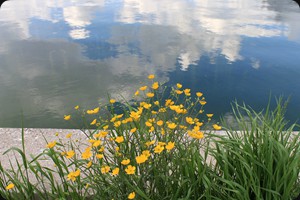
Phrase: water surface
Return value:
(58, 54)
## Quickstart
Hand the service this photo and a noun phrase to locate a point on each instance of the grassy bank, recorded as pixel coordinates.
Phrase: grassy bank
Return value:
(156, 148)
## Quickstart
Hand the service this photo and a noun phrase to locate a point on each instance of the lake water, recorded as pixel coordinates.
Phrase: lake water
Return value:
(55, 54)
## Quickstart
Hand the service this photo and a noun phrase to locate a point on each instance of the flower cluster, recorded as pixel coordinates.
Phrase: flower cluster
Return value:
(130, 142)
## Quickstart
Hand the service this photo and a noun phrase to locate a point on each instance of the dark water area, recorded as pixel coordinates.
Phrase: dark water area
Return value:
(55, 55)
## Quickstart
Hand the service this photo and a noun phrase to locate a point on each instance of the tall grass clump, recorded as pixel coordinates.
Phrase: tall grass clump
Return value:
(151, 149)
(260, 159)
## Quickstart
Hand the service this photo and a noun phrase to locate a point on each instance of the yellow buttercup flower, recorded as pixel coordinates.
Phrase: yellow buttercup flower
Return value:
(112, 101)
(172, 125)
(99, 156)
(94, 122)
(151, 76)
(69, 135)
(131, 195)
(94, 111)
(125, 162)
(217, 127)
(178, 91)
(105, 127)
(160, 122)
(136, 93)
(130, 169)
(51, 144)
(195, 134)
(141, 159)
(67, 117)
(105, 169)
(187, 92)
(10, 186)
(76, 107)
(119, 139)
(70, 154)
(189, 120)
(156, 103)
(170, 145)
(155, 86)
(150, 143)
(202, 102)
(72, 175)
(159, 149)
(149, 124)
(115, 171)
(146, 153)
(199, 94)
(87, 153)
(179, 85)
(97, 143)
(133, 130)
(209, 115)
(143, 88)
(150, 94)
(117, 124)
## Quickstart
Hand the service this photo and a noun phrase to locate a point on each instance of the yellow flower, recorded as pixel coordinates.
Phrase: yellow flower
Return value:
(149, 124)
(70, 154)
(136, 93)
(94, 111)
(151, 76)
(87, 153)
(160, 122)
(209, 115)
(94, 122)
(172, 125)
(119, 116)
(155, 86)
(10, 186)
(69, 135)
(72, 175)
(101, 149)
(156, 103)
(96, 143)
(99, 156)
(131, 195)
(101, 134)
(112, 101)
(130, 169)
(150, 143)
(141, 159)
(169, 102)
(195, 134)
(117, 124)
(143, 88)
(159, 149)
(217, 127)
(170, 145)
(189, 120)
(105, 127)
(178, 91)
(179, 85)
(146, 153)
(187, 92)
(133, 130)
(202, 102)
(51, 144)
(76, 107)
(125, 162)
(89, 164)
(199, 94)
(105, 169)
(150, 94)
(56, 134)
(67, 117)
(115, 171)
(119, 139)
